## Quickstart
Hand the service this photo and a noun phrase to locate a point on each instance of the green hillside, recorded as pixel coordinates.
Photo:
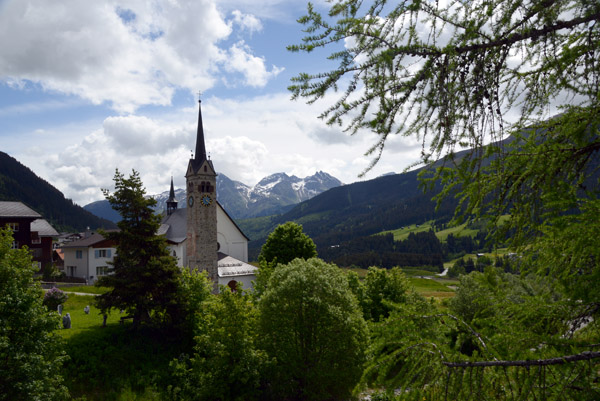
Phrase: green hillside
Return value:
(19, 184)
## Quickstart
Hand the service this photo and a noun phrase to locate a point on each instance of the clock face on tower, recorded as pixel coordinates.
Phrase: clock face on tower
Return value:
(191, 201)
(206, 200)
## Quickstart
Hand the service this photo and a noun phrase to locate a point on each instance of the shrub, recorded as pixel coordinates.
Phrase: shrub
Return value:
(54, 297)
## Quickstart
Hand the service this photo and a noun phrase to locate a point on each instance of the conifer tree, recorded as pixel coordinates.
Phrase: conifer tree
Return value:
(144, 278)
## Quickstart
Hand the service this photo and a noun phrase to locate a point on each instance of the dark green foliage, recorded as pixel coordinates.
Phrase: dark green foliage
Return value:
(30, 352)
(380, 290)
(226, 364)
(144, 277)
(107, 362)
(286, 243)
(494, 317)
(20, 184)
(419, 249)
(311, 325)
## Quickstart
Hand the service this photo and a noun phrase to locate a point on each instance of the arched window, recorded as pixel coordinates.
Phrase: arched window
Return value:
(233, 285)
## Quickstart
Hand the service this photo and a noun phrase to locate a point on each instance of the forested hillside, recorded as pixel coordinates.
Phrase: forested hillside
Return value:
(18, 183)
(340, 219)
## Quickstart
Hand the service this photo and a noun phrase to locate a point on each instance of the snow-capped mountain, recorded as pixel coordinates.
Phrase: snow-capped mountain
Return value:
(274, 194)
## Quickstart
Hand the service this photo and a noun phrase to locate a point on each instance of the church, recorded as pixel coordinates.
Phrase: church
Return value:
(203, 236)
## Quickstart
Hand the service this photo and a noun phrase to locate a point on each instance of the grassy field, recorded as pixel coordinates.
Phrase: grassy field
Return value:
(402, 233)
(80, 321)
(432, 288)
(87, 289)
(114, 362)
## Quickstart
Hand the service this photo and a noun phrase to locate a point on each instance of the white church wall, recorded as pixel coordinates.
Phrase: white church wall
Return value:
(232, 242)
(245, 281)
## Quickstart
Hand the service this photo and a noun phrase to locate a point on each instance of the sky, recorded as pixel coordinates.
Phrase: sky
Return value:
(87, 87)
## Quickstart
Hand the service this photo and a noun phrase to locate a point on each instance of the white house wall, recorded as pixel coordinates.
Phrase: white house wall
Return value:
(97, 262)
(81, 265)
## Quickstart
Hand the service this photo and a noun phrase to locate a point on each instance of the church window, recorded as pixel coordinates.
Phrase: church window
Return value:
(191, 186)
(202, 187)
(205, 169)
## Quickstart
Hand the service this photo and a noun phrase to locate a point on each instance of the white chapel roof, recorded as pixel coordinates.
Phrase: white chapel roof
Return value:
(231, 267)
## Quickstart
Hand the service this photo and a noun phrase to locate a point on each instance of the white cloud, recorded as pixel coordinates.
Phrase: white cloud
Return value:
(247, 22)
(251, 67)
(128, 57)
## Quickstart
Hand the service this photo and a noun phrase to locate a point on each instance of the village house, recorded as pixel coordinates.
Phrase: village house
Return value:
(30, 230)
(89, 257)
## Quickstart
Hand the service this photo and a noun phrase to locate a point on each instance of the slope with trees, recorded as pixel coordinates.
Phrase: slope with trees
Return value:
(20, 184)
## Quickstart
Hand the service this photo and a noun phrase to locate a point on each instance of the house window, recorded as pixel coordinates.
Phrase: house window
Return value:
(14, 226)
(102, 253)
(14, 245)
(102, 270)
(79, 254)
(71, 270)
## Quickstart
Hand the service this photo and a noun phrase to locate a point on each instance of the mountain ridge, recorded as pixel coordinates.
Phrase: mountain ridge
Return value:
(274, 194)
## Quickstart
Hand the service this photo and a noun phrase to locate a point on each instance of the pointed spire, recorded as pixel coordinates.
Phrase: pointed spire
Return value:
(171, 202)
(171, 192)
(200, 154)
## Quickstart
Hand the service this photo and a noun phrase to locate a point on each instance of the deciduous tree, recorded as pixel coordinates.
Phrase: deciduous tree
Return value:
(286, 243)
(30, 351)
(312, 326)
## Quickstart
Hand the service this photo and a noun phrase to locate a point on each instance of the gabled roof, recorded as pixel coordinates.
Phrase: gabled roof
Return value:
(17, 209)
(92, 240)
(174, 226)
(228, 266)
(43, 228)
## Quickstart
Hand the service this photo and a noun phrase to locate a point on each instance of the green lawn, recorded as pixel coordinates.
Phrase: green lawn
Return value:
(80, 321)
(87, 289)
(401, 234)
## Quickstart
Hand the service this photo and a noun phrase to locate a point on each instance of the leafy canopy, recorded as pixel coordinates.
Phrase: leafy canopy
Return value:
(311, 324)
(30, 352)
(286, 243)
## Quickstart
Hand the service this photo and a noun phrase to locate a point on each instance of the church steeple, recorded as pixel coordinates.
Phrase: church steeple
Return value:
(200, 154)
(201, 180)
(171, 202)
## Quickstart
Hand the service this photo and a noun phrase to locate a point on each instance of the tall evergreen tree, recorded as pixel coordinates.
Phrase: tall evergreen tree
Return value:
(144, 278)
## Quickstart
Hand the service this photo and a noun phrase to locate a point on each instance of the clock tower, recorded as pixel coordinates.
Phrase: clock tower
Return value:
(201, 180)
